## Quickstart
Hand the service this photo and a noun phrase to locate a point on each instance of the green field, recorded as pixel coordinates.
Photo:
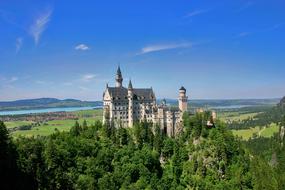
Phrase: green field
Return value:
(61, 125)
(98, 113)
(13, 124)
(259, 131)
(235, 116)
(92, 115)
(248, 133)
(268, 132)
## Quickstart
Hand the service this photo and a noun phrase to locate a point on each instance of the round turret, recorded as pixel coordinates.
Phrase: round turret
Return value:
(182, 89)
(183, 99)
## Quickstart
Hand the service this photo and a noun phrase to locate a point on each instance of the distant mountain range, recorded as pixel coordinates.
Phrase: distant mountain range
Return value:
(227, 102)
(42, 103)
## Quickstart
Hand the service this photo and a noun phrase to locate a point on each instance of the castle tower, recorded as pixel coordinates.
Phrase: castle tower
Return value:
(183, 99)
(130, 98)
(119, 78)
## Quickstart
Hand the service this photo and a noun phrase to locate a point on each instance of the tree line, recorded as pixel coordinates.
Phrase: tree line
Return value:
(143, 157)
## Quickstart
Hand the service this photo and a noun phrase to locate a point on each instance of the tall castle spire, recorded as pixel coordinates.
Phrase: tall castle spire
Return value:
(130, 98)
(119, 78)
(130, 87)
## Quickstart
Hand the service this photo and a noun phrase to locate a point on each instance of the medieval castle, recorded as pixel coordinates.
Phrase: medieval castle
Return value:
(124, 106)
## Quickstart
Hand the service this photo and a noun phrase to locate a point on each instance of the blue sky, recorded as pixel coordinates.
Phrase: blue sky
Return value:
(71, 49)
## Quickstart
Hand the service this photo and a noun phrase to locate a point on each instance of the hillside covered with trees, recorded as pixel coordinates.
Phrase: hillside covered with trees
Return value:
(103, 157)
(42, 103)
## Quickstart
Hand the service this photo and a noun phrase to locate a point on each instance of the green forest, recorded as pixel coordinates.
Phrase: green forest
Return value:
(104, 157)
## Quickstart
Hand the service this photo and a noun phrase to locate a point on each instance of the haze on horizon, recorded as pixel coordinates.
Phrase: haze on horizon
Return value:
(217, 50)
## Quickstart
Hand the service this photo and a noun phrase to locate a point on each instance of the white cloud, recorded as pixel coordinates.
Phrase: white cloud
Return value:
(161, 47)
(88, 77)
(40, 25)
(196, 12)
(82, 47)
(19, 43)
(13, 79)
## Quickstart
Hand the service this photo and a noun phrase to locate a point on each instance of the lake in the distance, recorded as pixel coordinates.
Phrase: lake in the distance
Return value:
(70, 109)
(46, 110)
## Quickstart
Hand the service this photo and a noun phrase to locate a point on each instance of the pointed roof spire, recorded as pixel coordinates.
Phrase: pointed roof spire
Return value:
(119, 70)
(130, 85)
(107, 86)
(119, 78)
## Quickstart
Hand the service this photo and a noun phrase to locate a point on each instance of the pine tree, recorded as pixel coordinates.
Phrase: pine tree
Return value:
(75, 130)
(84, 125)
(4, 140)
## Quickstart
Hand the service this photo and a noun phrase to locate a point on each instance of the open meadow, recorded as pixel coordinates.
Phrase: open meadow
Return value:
(49, 127)
(245, 134)
(263, 131)
(236, 116)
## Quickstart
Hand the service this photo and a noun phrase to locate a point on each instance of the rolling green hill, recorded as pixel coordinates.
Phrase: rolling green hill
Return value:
(45, 103)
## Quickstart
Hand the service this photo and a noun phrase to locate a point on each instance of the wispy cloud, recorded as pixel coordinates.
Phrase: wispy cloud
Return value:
(88, 77)
(67, 83)
(9, 18)
(274, 27)
(243, 34)
(7, 82)
(82, 47)
(161, 47)
(19, 43)
(268, 29)
(13, 79)
(41, 82)
(196, 12)
(40, 25)
(245, 6)
(83, 88)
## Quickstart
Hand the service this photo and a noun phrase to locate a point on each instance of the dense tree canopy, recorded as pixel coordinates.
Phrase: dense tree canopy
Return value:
(143, 157)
